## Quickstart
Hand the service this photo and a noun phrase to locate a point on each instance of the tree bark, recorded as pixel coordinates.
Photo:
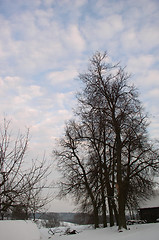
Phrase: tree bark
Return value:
(121, 193)
(96, 217)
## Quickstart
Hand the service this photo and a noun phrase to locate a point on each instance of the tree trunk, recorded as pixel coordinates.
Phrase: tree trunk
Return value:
(96, 217)
(111, 217)
(34, 215)
(104, 215)
(122, 217)
(115, 213)
(120, 187)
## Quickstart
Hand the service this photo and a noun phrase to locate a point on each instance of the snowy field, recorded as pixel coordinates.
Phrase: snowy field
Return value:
(136, 232)
(26, 230)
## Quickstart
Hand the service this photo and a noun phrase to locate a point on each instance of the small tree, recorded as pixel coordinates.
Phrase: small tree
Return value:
(19, 186)
(11, 158)
(73, 164)
(37, 196)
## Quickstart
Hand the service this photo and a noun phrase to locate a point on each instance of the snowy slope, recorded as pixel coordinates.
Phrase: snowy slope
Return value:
(18, 230)
(136, 232)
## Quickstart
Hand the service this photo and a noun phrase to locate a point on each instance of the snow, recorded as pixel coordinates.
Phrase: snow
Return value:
(27, 230)
(136, 232)
(18, 230)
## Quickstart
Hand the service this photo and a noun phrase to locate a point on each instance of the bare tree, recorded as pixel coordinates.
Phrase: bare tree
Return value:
(106, 90)
(37, 187)
(11, 158)
(73, 162)
(109, 149)
(19, 185)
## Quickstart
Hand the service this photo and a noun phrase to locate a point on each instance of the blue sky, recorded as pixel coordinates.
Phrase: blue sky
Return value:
(44, 44)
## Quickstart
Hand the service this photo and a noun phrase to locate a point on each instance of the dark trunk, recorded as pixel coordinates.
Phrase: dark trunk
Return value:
(104, 215)
(115, 213)
(120, 187)
(96, 217)
(111, 217)
(122, 218)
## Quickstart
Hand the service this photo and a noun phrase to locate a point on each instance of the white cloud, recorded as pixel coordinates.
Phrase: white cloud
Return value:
(34, 40)
(151, 78)
(73, 39)
(63, 100)
(130, 40)
(18, 93)
(148, 37)
(35, 90)
(67, 4)
(9, 86)
(96, 31)
(141, 64)
(12, 81)
(62, 77)
(48, 3)
(31, 106)
(108, 8)
(154, 93)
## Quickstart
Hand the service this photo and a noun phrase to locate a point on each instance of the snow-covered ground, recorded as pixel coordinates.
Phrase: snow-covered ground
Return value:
(27, 230)
(136, 232)
(18, 230)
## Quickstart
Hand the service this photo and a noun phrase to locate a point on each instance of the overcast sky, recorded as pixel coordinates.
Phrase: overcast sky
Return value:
(44, 44)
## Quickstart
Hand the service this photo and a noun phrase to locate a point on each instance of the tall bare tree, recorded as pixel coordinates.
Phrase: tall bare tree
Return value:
(106, 87)
(113, 127)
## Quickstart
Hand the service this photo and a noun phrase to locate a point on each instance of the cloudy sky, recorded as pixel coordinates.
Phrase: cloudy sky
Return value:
(44, 44)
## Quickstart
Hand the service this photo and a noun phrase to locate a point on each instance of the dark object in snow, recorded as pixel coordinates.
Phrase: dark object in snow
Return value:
(132, 222)
(51, 232)
(69, 231)
(73, 232)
